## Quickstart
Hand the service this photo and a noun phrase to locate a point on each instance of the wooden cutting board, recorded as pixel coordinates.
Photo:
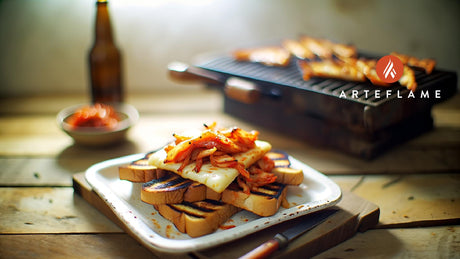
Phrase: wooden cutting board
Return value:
(354, 214)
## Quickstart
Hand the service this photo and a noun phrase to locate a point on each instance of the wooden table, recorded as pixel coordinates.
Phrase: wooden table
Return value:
(416, 185)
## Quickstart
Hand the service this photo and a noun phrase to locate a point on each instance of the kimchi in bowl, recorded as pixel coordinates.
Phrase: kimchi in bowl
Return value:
(87, 127)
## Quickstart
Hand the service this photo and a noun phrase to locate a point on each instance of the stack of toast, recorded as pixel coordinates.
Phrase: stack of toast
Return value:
(197, 203)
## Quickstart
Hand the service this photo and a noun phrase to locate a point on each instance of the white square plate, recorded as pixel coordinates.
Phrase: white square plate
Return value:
(317, 192)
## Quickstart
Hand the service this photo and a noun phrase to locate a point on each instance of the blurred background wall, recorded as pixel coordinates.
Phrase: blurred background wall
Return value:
(44, 43)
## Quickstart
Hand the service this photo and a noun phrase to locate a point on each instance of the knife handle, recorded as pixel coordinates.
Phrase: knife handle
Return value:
(264, 250)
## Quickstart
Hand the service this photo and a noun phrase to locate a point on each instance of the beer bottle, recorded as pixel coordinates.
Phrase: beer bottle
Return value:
(105, 60)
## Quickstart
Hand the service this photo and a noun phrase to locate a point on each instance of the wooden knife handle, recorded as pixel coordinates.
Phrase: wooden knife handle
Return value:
(263, 251)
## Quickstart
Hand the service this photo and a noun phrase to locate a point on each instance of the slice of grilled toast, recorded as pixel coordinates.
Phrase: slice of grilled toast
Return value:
(288, 175)
(139, 171)
(263, 202)
(283, 171)
(172, 188)
(197, 218)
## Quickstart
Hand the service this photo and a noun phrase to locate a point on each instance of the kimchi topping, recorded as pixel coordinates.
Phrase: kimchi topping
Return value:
(218, 147)
(96, 116)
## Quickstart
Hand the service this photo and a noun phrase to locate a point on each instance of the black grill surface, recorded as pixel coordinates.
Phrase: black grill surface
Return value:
(321, 98)
(315, 111)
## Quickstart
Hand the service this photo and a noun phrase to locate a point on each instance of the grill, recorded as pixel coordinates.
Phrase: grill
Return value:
(358, 118)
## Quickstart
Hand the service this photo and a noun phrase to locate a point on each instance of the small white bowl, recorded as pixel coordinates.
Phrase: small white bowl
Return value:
(98, 137)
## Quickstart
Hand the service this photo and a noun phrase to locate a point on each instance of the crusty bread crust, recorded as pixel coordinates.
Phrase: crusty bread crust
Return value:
(283, 171)
(197, 218)
(287, 175)
(265, 202)
(136, 174)
(165, 190)
(139, 171)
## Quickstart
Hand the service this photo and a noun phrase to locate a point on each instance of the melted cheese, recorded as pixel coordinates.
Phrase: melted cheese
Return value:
(215, 178)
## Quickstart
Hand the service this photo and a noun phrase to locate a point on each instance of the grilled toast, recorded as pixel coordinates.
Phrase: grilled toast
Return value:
(172, 188)
(196, 209)
(288, 175)
(283, 171)
(167, 189)
(263, 202)
(197, 218)
(139, 171)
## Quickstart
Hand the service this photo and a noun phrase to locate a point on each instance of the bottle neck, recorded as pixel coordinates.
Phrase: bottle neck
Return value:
(103, 31)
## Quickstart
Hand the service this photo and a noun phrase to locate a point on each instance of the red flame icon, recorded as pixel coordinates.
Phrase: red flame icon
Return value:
(389, 68)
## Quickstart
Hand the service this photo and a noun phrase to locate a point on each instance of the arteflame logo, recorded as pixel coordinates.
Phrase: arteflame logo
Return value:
(389, 68)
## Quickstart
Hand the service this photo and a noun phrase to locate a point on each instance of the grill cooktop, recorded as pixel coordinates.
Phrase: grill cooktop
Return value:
(359, 106)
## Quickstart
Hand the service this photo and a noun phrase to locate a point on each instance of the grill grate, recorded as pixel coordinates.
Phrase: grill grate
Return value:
(314, 110)
(290, 76)
(354, 105)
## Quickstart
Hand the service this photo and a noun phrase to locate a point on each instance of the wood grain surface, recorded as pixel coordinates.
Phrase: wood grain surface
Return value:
(415, 185)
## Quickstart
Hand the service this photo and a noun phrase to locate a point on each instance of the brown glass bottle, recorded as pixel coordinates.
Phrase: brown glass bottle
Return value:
(105, 60)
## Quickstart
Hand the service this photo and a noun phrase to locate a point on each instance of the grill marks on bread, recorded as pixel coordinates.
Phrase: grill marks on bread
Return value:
(175, 189)
(198, 210)
(167, 189)
(272, 191)
(263, 202)
(197, 218)
(166, 183)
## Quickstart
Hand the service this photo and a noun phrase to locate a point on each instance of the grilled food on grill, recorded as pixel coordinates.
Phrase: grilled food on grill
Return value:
(426, 64)
(270, 56)
(352, 70)
(368, 68)
(298, 49)
(326, 49)
(327, 59)
(331, 69)
(344, 50)
(408, 79)
(321, 47)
